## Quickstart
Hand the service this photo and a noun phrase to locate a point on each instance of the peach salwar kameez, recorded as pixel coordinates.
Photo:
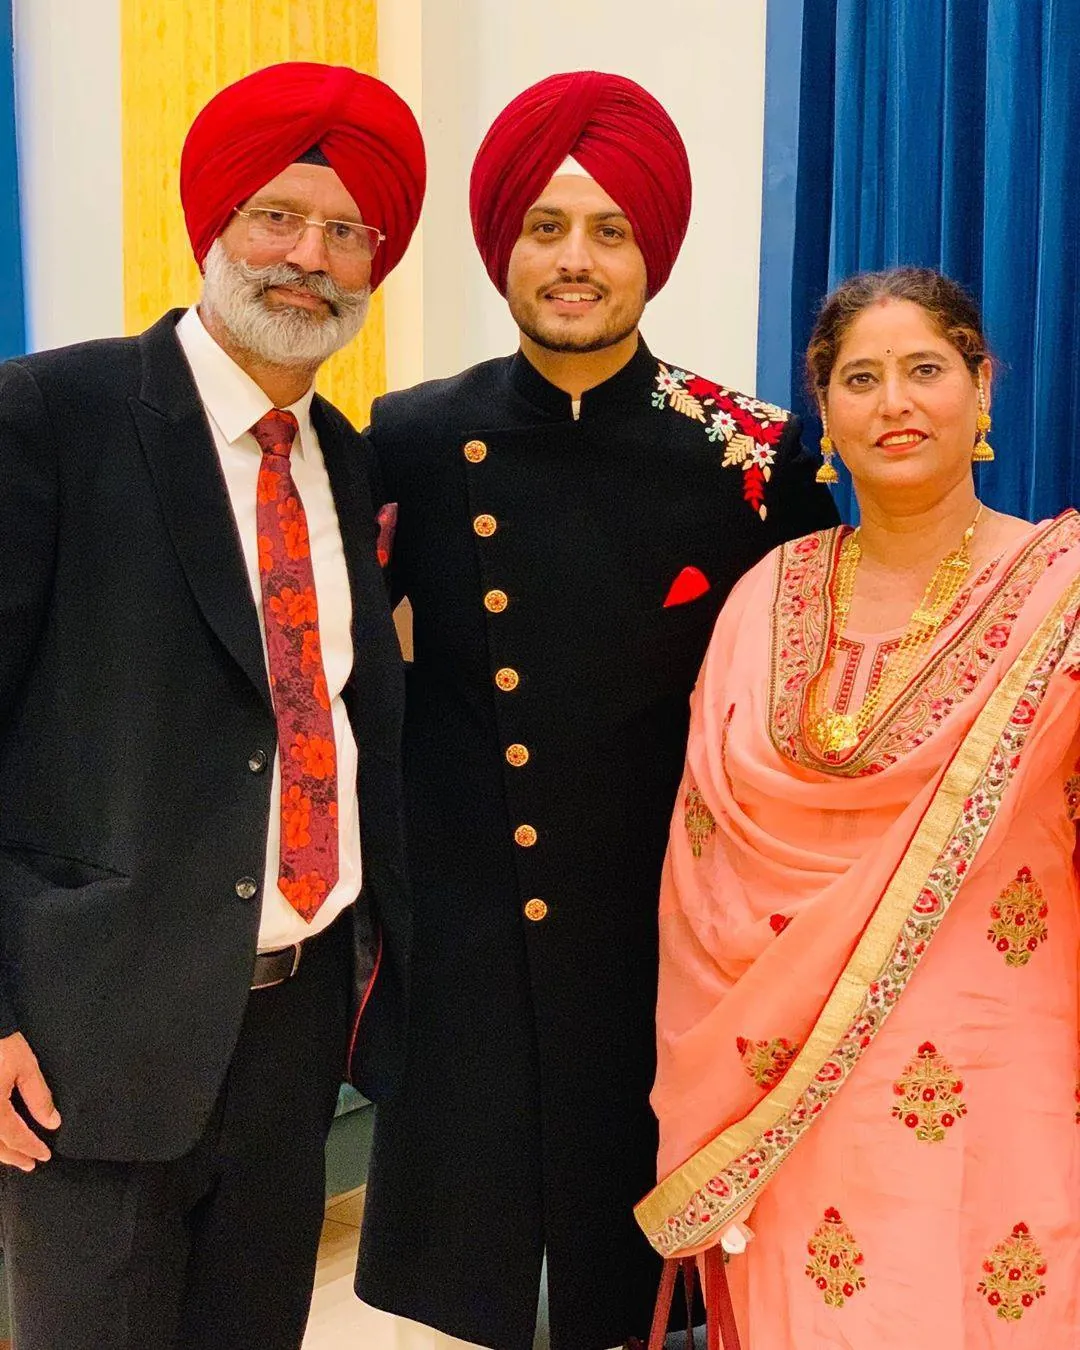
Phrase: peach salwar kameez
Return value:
(867, 1018)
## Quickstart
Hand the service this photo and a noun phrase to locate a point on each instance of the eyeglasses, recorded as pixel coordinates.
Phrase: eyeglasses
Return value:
(285, 229)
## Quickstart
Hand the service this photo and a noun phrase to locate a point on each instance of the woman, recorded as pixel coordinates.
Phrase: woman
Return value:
(870, 917)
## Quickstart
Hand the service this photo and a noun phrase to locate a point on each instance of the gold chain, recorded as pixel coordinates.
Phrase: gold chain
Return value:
(836, 732)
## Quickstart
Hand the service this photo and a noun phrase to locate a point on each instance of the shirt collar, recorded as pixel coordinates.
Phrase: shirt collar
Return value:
(230, 396)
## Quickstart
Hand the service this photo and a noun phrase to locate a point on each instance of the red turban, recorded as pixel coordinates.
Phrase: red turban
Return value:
(258, 126)
(619, 135)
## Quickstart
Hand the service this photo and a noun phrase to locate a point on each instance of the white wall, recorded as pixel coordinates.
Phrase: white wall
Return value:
(67, 71)
(401, 66)
(703, 59)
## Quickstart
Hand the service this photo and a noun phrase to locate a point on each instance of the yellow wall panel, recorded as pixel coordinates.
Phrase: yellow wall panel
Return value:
(176, 54)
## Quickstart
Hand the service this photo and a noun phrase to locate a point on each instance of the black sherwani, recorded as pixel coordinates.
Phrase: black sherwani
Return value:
(545, 730)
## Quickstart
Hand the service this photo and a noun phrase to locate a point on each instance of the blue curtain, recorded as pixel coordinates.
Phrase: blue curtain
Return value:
(934, 132)
(12, 315)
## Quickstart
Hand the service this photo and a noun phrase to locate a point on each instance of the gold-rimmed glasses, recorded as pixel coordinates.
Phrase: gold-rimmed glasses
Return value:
(269, 226)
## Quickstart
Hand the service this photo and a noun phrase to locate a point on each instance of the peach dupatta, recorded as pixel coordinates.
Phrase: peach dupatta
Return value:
(802, 899)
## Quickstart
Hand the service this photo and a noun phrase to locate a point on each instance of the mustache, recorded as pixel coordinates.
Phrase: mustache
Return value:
(318, 284)
(581, 279)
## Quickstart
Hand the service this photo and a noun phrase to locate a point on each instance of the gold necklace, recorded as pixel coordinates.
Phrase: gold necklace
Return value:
(836, 732)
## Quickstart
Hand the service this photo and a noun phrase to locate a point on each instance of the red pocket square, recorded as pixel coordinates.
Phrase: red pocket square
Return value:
(387, 523)
(688, 585)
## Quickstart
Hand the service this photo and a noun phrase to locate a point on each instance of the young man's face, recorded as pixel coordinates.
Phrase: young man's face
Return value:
(576, 280)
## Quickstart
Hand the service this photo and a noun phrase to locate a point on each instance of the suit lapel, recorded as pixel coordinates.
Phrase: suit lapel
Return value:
(344, 466)
(184, 465)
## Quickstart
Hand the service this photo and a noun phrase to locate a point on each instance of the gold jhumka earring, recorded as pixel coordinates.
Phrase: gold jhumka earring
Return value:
(983, 452)
(827, 474)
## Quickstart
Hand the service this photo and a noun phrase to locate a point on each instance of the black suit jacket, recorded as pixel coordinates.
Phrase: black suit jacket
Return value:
(133, 697)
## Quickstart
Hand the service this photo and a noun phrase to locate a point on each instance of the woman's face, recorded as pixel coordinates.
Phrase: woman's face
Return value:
(902, 403)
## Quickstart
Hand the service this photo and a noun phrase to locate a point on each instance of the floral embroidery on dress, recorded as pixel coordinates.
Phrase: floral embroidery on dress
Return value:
(801, 607)
(928, 1093)
(1012, 1275)
(1072, 794)
(1018, 919)
(835, 1260)
(699, 821)
(747, 429)
(766, 1061)
(737, 1181)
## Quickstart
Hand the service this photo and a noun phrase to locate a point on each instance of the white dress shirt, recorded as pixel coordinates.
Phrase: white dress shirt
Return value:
(234, 403)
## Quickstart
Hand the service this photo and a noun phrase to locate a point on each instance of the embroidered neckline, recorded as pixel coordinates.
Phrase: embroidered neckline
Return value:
(802, 596)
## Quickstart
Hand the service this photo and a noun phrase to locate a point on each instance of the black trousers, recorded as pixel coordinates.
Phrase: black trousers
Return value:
(215, 1250)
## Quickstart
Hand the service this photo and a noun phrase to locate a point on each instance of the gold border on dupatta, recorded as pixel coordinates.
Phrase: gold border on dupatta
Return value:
(693, 1196)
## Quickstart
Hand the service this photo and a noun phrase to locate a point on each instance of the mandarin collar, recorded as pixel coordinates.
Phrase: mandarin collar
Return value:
(610, 396)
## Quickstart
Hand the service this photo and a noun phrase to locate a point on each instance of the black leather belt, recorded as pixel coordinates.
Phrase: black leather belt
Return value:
(282, 964)
(276, 967)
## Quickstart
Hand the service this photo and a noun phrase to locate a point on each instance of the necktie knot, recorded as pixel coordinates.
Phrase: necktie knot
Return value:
(276, 431)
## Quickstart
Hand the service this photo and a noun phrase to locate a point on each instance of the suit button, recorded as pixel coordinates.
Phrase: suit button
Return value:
(535, 910)
(246, 888)
(485, 526)
(517, 755)
(507, 678)
(475, 451)
(495, 601)
(258, 761)
(525, 835)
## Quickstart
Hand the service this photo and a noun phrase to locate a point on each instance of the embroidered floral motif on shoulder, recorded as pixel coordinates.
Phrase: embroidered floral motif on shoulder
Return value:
(802, 604)
(835, 1263)
(699, 820)
(1012, 1275)
(1018, 919)
(745, 429)
(928, 1096)
(766, 1061)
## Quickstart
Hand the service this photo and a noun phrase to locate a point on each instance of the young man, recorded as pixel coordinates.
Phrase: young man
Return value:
(195, 888)
(570, 521)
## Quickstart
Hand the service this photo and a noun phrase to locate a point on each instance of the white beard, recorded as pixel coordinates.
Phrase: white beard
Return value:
(280, 335)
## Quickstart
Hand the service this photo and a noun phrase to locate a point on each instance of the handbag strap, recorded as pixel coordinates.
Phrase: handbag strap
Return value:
(721, 1330)
(723, 1333)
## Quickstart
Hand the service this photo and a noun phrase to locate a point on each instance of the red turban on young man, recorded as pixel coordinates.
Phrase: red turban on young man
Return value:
(255, 128)
(618, 134)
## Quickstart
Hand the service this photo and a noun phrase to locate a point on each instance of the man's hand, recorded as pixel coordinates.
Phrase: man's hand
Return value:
(19, 1145)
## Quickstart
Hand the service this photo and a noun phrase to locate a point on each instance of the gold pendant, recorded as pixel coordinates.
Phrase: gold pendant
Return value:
(835, 732)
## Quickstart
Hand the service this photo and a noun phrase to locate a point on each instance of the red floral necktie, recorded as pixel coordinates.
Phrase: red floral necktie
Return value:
(308, 865)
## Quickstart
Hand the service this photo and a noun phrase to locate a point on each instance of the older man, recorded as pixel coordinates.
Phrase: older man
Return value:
(570, 521)
(196, 887)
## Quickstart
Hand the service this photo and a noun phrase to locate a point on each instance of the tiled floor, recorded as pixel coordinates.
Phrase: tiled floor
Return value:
(334, 1308)
(339, 1321)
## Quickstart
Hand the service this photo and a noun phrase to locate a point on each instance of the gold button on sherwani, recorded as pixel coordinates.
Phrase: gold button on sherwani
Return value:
(525, 835)
(496, 601)
(475, 451)
(517, 755)
(535, 910)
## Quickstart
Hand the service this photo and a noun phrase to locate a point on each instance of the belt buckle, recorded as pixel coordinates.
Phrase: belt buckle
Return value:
(297, 948)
